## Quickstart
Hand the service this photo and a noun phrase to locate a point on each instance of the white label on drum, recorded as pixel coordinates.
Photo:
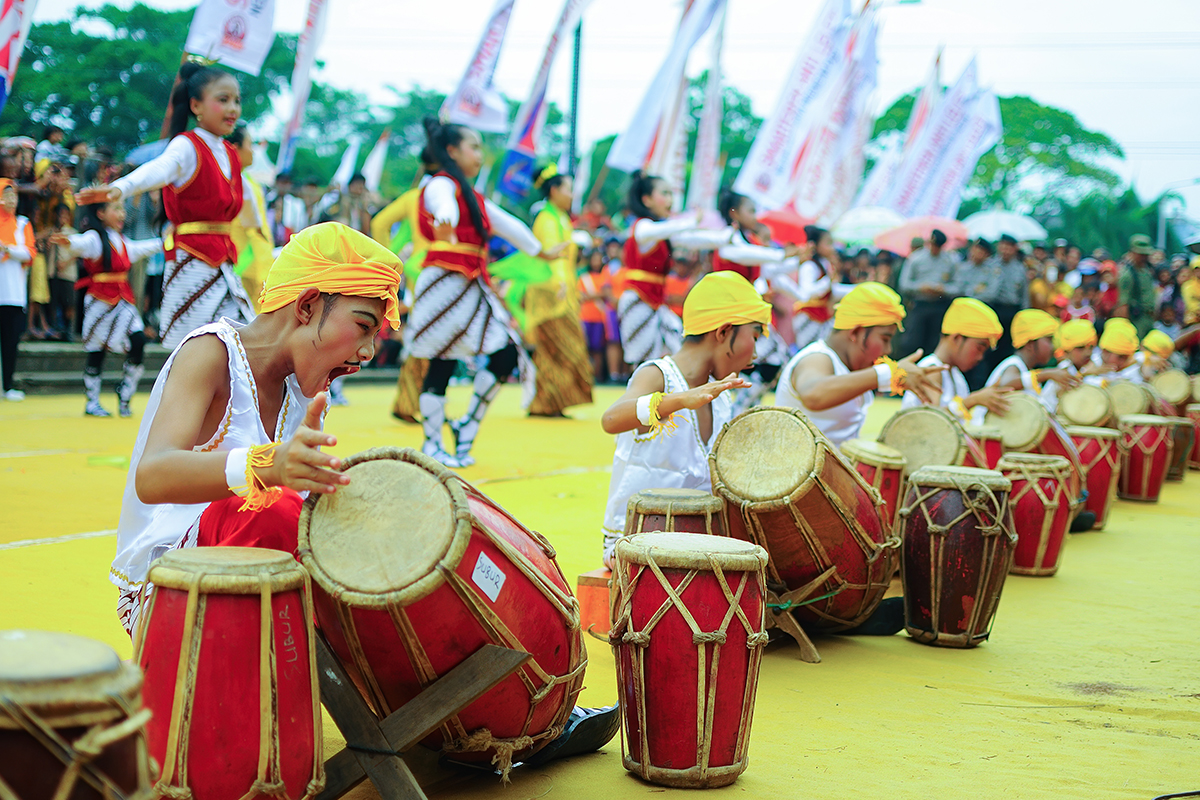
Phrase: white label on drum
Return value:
(488, 577)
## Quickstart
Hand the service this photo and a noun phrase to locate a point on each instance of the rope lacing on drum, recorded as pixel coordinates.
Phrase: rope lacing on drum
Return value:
(482, 740)
(990, 511)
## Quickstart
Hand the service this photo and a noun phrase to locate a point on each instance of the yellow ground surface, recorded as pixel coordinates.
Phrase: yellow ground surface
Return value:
(1089, 688)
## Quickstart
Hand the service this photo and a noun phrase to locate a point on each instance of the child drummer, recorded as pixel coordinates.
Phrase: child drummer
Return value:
(970, 329)
(669, 416)
(834, 380)
(1033, 337)
(1076, 343)
(1118, 353)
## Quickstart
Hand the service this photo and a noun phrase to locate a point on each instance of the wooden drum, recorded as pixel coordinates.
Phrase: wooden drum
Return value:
(929, 436)
(1149, 444)
(71, 720)
(1183, 437)
(787, 490)
(1137, 398)
(1193, 414)
(1174, 386)
(688, 607)
(684, 510)
(883, 468)
(957, 551)
(1100, 454)
(1029, 428)
(415, 570)
(1087, 405)
(1041, 510)
(990, 440)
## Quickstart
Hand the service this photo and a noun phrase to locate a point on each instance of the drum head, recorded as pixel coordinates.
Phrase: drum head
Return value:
(381, 538)
(51, 656)
(1085, 405)
(981, 433)
(1194, 408)
(1196, 386)
(959, 478)
(1152, 420)
(1085, 432)
(1129, 398)
(67, 680)
(765, 454)
(1024, 425)
(926, 436)
(677, 501)
(873, 453)
(1173, 385)
(227, 570)
(1034, 464)
(691, 551)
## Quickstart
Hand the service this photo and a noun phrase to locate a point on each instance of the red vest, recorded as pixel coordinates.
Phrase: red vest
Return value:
(108, 285)
(468, 254)
(204, 208)
(750, 273)
(819, 309)
(646, 273)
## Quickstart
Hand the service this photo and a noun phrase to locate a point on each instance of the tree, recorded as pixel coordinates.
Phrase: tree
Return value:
(739, 125)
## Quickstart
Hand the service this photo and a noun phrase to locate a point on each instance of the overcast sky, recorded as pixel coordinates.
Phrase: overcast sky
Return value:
(1128, 69)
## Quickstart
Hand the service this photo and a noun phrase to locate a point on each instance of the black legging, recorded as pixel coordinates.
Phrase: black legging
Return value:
(500, 363)
(137, 352)
(12, 325)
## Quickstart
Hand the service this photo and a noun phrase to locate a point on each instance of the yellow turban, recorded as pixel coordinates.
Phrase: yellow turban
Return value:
(723, 298)
(969, 317)
(1075, 333)
(334, 259)
(1032, 324)
(1158, 343)
(867, 305)
(1119, 337)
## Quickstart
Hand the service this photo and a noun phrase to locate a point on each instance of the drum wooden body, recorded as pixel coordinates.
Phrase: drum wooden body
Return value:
(929, 436)
(1183, 437)
(78, 691)
(1087, 405)
(1100, 454)
(231, 678)
(990, 441)
(1174, 386)
(787, 490)
(1149, 444)
(883, 468)
(683, 510)
(688, 636)
(957, 551)
(415, 570)
(1029, 428)
(1040, 508)
(1193, 413)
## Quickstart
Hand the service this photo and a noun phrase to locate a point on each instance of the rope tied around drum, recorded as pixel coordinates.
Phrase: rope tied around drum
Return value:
(788, 605)
(482, 740)
(270, 789)
(978, 500)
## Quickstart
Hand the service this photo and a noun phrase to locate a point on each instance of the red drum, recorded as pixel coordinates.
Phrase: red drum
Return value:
(1149, 442)
(1087, 405)
(415, 570)
(684, 510)
(788, 491)
(688, 607)
(881, 467)
(958, 548)
(929, 436)
(990, 440)
(1029, 428)
(231, 675)
(71, 720)
(1040, 508)
(1100, 454)
(1183, 437)
(1193, 413)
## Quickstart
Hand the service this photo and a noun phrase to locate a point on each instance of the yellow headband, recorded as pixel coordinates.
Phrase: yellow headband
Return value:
(1119, 337)
(1074, 333)
(334, 259)
(723, 298)
(1032, 324)
(970, 317)
(867, 305)
(1158, 343)
(548, 172)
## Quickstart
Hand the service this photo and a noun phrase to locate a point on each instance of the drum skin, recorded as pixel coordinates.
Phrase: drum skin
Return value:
(1040, 509)
(1183, 437)
(1149, 445)
(957, 551)
(1100, 455)
(684, 510)
(1087, 405)
(931, 436)
(687, 700)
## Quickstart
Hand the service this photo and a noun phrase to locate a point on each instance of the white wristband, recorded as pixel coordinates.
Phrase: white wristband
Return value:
(1027, 382)
(235, 471)
(643, 410)
(884, 373)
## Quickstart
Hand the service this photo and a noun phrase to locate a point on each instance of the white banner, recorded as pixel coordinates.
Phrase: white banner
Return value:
(632, 148)
(372, 168)
(306, 56)
(879, 183)
(535, 103)
(980, 132)
(236, 33)
(767, 174)
(475, 102)
(15, 22)
(345, 170)
(706, 161)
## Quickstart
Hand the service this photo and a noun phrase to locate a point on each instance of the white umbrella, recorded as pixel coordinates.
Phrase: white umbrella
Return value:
(994, 224)
(863, 224)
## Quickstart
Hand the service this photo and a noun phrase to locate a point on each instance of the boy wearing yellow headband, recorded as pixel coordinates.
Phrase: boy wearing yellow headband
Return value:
(232, 429)
(667, 419)
(1033, 337)
(834, 380)
(970, 329)
(1118, 352)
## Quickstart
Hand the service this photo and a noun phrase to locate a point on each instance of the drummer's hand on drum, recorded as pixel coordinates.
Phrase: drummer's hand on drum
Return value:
(1096, 369)
(1062, 377)
(993, 398)
(924, 382)
(299, 465)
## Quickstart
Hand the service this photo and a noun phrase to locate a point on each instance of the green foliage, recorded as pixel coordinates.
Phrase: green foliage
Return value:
(739, 125)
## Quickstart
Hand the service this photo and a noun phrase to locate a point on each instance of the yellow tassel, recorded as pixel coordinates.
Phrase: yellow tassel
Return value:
(961, 407)
(898, 386)
(658, 425)
(1033, 380)
(260, 496)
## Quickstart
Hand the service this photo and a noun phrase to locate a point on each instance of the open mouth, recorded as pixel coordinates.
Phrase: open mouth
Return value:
(337, 372)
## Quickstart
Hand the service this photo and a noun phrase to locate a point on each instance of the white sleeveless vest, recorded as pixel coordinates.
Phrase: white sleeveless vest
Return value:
(840, 423)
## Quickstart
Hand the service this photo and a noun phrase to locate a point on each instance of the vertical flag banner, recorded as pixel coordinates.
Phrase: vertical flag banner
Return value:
(345, 170)
(16, 17)
(236, 33)
(306, 56)
(516, 171)
(633, 148)
(978, 134)
(767, 175)
(372, 168)
(475, 102)
(706, 161)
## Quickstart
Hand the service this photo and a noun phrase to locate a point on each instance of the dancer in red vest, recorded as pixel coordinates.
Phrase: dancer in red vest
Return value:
(201, 178)
(110, 317)
(456, 314)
